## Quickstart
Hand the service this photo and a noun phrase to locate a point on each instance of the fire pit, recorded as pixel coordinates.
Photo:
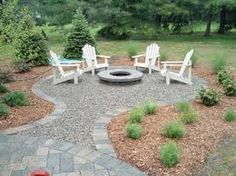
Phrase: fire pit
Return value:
(120, 75)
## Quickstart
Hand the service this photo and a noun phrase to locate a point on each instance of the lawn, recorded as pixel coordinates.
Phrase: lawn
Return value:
(172, 46)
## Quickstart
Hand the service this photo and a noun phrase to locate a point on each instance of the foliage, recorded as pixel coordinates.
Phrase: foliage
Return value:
(134, 130)
(31, 49)
(3, 88)
(222, 75)
(4, 111)
(230, 115)
(78, 37)
(132, 51)
(229, 87)
(194, 60)
(189, 117)
(170, 154)
(174, 129)
(16, 98)
(22, 66)
(183, 106)
(163, 56)
(136, 115)
(219, 63)
(209, 97)
(150, 108)
(6, 76)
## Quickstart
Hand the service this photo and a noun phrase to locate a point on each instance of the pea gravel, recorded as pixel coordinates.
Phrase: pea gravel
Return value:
(91, 99)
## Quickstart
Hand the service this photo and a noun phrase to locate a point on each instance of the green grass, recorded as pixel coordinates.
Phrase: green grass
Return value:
(174, 47)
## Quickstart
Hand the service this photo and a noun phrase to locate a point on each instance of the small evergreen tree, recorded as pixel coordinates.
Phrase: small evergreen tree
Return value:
(78, 37)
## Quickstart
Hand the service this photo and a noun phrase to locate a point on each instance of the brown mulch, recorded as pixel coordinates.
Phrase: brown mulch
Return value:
(200, 140)
(38, 107)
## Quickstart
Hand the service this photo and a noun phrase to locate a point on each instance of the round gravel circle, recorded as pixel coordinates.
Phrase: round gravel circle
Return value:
(91, 99)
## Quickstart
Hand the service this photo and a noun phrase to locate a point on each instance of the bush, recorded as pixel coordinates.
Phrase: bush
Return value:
(31, 49)
(136, 115)
(170, 154)
(189, 117)
(22, 66)
(6, 76)
(134, 130)
(3, 88)
(16, 98)
(4, 111)
(229, 87)
(230, 115)
(150, 108)
(208, 97)
(222, 76)
(194, 60)
(163, 56)
(78, 37)
(219, 63)
(132, 51)
(183, 106)
(174, 129)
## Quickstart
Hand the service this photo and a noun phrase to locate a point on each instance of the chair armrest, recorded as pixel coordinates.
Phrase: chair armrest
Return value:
(67, 65)
(103, 56)
(172, 62)
(137, 56)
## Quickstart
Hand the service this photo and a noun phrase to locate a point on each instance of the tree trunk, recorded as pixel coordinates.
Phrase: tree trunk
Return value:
(209, 19)
(222, 20)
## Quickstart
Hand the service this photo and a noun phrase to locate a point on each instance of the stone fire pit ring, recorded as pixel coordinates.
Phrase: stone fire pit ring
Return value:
(120, 75)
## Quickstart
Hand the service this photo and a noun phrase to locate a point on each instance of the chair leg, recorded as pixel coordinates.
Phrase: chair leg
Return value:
(150, 70)
(76, 79)
(167, 80)
(93, 71)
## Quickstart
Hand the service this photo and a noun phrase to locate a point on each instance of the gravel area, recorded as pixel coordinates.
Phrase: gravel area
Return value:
(91, 99)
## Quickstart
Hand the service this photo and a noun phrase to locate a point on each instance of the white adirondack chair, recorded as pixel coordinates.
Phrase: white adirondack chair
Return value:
(89, 55)
(180, 76)
(59, 75)
(151, 57)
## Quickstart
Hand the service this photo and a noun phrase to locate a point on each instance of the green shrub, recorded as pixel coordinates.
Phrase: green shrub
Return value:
(174, 129)
(78, 37)
(16, 98)
(183, 106)
(22, 66)
(163, 56)
(170, 154)
(132, 51)
(194, 60)
(222, 75)
(6, 76)
(229, 87)
(150, 108)
(189, 117)
(4, 111)
(31, 49)
(230, 115)
(208, 97)
(136, 115)
(134, 130)
(3, 88)
(219, 63)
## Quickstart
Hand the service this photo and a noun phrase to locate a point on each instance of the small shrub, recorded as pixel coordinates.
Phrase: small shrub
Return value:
(222, 76)
(6, 76)
(16, 98)
(219, 63)
(183, 106)
(4, 111)
(170, 154)
(22, 66)
(230, 115)
(208, 97)
(3, 88)
(150, 108)
(229, 87)
(132, 51)
(134, 130)
(136, 115)
(189, 117)
(194, 60)
(174, 129)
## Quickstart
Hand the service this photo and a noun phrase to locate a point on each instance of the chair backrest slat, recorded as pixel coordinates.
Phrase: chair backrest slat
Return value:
(186, 62)
(153, 52)
(56, 62)
(89, 54)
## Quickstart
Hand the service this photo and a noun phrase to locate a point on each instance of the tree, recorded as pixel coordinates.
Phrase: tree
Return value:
(78, 37)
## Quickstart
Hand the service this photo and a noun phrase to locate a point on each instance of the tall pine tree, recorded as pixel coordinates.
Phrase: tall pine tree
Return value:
(78, 37)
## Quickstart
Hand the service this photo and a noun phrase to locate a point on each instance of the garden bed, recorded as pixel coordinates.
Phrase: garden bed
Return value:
(200, 140)
(38, 108)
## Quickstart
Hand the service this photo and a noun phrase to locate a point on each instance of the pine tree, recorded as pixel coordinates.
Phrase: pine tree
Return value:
(78, 37)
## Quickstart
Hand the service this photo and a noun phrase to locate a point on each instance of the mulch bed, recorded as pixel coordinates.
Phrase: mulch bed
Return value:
(37, 109)
(200, 140)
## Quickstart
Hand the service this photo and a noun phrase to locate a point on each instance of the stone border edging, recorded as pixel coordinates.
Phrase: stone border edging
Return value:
(60, 107)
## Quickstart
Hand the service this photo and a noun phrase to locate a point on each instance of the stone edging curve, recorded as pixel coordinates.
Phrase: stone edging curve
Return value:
(60, 107)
